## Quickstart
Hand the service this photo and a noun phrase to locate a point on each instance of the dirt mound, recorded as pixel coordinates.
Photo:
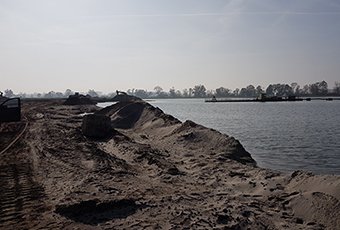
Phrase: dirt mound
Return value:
(193, 135)
(96, 125)
(143, 117)
(127, 115)
(79, 99)
(125, 98)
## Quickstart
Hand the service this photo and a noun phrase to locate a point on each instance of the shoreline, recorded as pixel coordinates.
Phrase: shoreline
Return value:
(153, 170)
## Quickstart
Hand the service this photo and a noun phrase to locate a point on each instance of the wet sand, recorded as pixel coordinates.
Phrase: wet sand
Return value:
(152, 172)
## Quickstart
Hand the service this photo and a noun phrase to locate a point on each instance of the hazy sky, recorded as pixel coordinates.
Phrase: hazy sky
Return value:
(119, 44)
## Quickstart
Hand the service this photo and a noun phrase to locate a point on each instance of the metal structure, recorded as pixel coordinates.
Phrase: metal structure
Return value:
(10, 110)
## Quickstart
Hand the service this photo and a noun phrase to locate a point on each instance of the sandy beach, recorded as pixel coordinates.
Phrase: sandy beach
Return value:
(152, 171)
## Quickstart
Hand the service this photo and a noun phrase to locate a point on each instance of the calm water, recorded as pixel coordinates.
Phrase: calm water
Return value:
(286, 136)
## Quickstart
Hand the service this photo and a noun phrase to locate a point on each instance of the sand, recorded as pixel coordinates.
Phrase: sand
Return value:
(151, 172)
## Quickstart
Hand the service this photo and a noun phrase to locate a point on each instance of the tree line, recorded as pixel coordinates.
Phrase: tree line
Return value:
(250, 91)
(199, 91)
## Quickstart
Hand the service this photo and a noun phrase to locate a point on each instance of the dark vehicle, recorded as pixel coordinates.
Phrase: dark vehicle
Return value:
(10, 109)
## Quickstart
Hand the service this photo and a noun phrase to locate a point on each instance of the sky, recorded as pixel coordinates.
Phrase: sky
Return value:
(120, 44)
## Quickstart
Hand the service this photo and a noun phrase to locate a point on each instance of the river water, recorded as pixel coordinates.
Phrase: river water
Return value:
(286, 136)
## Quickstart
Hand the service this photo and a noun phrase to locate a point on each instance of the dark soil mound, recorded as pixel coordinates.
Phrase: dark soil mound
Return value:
(97, 126)
(79, 99)
(125, 98)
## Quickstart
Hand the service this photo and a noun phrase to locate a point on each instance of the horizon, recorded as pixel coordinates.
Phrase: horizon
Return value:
(330, 88)
(295, 87)
(107, 45)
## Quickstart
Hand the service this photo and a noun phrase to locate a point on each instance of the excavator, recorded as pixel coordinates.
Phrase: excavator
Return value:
(10, 109)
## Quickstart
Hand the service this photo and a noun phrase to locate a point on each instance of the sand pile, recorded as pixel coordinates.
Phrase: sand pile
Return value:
(135, 114)
(154, 172)
(149, 121)
(207, 157)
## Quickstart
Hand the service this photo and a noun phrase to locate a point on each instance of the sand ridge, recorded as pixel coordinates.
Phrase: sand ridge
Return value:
(152, 172)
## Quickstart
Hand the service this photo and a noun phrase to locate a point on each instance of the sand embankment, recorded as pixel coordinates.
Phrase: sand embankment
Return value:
(152, 171)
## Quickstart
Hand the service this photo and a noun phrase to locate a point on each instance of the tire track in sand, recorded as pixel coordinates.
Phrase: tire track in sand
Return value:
(20, 196)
